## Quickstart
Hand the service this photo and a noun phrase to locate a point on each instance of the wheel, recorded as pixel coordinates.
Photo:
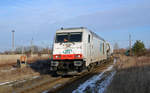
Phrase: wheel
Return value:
(54, 73)
(79, 70)
(89, 68)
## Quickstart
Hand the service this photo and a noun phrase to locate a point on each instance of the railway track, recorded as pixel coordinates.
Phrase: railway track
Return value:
(81, 79)
(55, 85)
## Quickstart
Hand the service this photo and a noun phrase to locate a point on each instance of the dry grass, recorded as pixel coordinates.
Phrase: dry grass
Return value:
(133, 76)
(3, 89)
(17, 74)
(9, 62)
(36, 68)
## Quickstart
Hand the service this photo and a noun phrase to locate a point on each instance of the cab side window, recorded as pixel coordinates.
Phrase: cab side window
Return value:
(89, 39)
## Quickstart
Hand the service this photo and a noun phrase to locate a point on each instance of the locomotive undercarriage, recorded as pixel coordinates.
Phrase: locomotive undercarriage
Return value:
(67, 65)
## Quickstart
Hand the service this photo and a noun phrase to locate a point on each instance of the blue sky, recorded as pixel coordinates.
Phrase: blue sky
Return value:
(113, 20)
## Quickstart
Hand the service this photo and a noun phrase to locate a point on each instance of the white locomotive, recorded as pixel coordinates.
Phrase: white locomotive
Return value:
(75, 49)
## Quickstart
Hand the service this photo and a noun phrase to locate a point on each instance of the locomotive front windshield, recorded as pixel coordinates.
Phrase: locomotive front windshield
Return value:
(68, 37)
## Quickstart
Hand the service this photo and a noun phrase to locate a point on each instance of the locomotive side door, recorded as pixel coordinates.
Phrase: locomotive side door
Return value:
(89, 56)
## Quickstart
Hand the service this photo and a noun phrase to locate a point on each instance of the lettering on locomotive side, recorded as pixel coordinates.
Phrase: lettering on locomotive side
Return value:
(68, 51)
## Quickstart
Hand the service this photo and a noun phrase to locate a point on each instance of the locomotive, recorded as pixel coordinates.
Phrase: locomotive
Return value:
(76, 49)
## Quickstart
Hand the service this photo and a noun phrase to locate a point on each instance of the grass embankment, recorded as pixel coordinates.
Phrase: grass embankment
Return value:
(133, 76)
(12, 61)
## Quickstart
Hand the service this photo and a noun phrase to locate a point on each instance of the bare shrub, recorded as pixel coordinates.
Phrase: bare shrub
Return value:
(133, 76)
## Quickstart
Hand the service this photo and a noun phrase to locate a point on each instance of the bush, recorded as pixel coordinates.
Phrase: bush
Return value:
(138, 48)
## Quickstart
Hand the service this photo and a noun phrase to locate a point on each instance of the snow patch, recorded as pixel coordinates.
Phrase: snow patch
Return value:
(46, 91)
(35, 77)
(18, 81)
(58, 85)
(102, 86)
(8, 70)
(6, 83)
(91, 83)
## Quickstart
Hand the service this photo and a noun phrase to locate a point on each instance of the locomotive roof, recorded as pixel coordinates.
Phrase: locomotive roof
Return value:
(75, 28)
(94, 34)
(80, 28)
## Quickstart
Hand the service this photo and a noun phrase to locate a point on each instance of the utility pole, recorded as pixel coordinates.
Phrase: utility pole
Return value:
(48, 49)
(130, 44)
(13, 41)
(32, 48)
(22, 50)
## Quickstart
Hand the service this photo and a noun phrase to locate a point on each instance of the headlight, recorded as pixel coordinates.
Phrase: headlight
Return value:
(56, 56)
(78, 56)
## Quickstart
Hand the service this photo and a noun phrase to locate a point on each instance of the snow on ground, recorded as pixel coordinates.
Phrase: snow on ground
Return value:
(34, 77)
(46, 91)
(4, 83)
(103, 85)
(96, 84)
(10, 83)
(58, 85)
(8, 70)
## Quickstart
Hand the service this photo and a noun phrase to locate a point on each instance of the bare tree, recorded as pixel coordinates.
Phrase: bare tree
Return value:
(116, 46)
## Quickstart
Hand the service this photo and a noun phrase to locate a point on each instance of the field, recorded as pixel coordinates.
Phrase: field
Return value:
(6, 60)
(133, 76)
